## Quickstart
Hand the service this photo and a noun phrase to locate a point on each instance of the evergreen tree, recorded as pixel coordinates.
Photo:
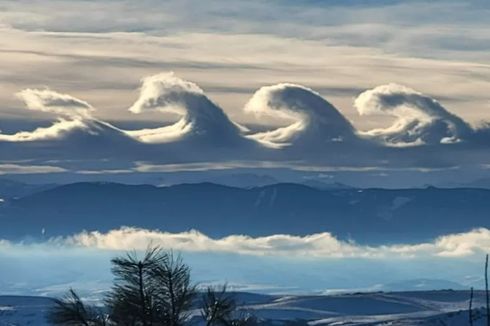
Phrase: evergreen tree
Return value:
(174, 293)
(217, 307)
(71, 311)
(131, 300)
(155, 290)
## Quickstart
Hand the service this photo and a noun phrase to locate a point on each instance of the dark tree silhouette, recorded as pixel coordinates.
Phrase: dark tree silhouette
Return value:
(71, 311)
(246, 320)
(174, 293)
(470, 309)
(486, 291)
(155, 290)
(217, 307)
(131, 299)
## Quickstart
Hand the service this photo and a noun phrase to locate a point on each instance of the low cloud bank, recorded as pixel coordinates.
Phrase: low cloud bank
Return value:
(319, 245)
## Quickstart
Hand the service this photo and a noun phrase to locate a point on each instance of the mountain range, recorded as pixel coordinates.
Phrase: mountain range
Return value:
(368, 216)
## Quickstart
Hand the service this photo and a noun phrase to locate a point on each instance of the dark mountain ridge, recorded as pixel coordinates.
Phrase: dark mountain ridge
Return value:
(370, 216)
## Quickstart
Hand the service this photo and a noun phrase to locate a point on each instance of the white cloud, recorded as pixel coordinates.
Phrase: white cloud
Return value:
(293, 165)
(71, 113)
(28, 169)
(316, 120)
(315, 245)
(199, 115)
(419, 118)
(50, 101)
(166, 92)
(55, 131)
(320, 138)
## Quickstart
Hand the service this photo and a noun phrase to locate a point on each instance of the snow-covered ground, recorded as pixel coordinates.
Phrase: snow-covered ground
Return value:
(394, 308)
(23, 310)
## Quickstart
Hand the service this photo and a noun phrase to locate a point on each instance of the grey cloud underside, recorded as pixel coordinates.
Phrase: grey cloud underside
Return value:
(424, 134)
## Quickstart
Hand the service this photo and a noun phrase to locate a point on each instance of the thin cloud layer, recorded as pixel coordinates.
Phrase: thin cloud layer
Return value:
(28, 169)
(322, 245)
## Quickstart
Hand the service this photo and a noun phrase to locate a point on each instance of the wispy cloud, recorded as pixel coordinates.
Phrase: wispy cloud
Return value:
(28, 169)
(343, 43)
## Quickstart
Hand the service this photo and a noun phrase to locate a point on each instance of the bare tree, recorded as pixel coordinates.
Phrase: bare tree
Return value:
(70, 310)
(217, 307)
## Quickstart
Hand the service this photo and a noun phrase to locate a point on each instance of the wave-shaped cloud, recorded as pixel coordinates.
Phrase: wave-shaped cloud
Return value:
(55, 131)
(71, 114)
(200, 117)
(50, 101)
(419, 118)
(319, 133)
(317, 121)
(315, 245)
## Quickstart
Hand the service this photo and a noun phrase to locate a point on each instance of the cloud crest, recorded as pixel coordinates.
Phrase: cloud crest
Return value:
(71, 114)
(200, 117)
(316, 120)
(419, 118)
(319, 134)
(50, 101)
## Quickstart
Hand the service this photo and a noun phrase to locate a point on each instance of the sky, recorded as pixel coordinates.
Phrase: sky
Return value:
(287, 75)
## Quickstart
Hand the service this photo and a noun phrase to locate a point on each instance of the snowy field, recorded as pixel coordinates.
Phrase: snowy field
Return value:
(444, 307)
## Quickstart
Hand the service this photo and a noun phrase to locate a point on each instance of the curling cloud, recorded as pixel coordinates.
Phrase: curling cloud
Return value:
(316, 245)
(50, 101)
(200, 117)
(419, 118)
(55, 131)
(319, 135)
(71, 114)
(73, 118)
(316, 120)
